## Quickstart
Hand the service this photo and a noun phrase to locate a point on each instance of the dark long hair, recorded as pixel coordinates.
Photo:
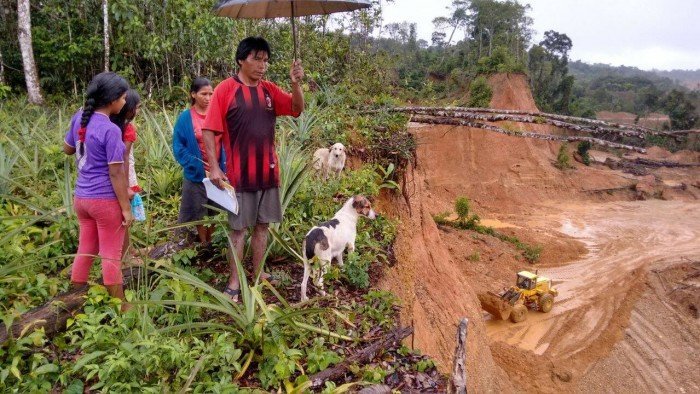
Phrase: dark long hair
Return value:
(104, 88)
(197, 85)
(128, 111)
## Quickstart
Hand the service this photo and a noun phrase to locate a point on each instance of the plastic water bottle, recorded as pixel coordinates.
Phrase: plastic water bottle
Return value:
(137, 208)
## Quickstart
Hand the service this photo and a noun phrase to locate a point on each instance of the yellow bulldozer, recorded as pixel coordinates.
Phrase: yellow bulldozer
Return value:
(531, 291)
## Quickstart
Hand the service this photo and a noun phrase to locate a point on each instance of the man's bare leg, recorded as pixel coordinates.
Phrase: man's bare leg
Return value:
(202, 233)
(258, 243)
(238, 240)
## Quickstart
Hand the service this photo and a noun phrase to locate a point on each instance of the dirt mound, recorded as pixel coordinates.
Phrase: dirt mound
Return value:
(502, 174)
(511, 91)
(681, 284)
(599, 264)
(659, 350)
(683, 156)
(653, 120)
(616, 117)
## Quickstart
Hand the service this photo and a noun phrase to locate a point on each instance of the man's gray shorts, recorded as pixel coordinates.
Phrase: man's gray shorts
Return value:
(262, 206)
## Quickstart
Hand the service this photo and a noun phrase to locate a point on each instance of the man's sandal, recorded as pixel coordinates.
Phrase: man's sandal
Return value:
(232, 293)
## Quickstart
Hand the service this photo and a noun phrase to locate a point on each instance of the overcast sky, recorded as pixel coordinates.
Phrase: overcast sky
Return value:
(661, 34)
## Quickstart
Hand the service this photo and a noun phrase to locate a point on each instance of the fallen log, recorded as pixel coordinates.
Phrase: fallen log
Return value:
(663, 163)
(361, 356)
(489, 117)
(52, 316)
(548, 137)
(600, 125)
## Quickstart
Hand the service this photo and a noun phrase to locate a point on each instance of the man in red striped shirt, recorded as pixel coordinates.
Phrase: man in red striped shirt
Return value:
(243, 110)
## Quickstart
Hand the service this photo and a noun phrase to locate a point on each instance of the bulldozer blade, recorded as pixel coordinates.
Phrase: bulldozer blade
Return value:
(495, 305)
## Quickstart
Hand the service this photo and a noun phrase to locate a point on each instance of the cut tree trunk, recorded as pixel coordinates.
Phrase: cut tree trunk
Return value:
(52, 316)
(459, 369)
(2, 70)
(24, 33)
(362, 356)
(549, 137)
(105, 25)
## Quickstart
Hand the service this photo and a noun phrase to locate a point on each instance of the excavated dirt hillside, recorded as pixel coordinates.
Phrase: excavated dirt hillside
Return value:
(602, 231)
(511, 91)
(653, 120)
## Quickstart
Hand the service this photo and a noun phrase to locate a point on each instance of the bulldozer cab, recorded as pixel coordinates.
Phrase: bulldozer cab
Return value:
(526, 280)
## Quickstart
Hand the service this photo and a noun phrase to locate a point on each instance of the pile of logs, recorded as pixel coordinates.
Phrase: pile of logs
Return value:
(483, 118)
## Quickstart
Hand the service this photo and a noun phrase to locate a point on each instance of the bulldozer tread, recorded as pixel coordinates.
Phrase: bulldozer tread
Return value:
(545, 303)
(518, 314)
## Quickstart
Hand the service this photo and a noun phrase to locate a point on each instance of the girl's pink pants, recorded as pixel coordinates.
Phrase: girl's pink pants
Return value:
(101, 233)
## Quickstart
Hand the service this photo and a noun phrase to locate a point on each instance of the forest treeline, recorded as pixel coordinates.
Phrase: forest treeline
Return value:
(161, 45)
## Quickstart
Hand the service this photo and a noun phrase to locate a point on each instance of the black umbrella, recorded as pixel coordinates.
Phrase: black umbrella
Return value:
(266, 9)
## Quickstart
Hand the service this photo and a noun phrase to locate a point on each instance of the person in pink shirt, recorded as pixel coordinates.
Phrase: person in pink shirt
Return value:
(101, 199)
(124, 120)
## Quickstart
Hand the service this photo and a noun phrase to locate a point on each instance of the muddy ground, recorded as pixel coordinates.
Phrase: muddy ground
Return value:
(622, 249)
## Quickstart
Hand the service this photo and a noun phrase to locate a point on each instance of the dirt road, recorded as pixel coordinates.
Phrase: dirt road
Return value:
(600, 293)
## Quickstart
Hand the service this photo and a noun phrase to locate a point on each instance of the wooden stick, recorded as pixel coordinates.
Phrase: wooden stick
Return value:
(459, 370)
(361, 357)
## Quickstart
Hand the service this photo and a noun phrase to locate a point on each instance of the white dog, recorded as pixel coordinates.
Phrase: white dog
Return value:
(330, 160)
(329, 239)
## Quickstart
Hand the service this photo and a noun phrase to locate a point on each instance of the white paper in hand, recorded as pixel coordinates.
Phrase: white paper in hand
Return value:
(222, 197)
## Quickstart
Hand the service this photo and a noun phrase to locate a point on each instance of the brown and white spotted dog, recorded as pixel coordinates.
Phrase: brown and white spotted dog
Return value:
(329, 239)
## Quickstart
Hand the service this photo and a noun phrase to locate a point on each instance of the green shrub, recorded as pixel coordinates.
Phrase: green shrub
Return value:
(563, 159)
(355, 271)
(500, 61)
(582, 149)
(480, 93)
(531, 253)
(462, 208)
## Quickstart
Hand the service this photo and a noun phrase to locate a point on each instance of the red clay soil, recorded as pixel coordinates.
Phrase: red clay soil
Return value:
(511, 91)
(616, 117)
(598, 247)
(653, 120)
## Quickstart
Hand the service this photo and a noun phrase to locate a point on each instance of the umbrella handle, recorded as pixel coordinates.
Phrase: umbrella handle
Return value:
(294, 32)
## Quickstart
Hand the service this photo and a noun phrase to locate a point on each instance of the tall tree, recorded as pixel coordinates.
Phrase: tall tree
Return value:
(24, 29)
(549, 73)
(500, 23)
(105, 23)
(459, 18)
(680, 109)
(2, 70)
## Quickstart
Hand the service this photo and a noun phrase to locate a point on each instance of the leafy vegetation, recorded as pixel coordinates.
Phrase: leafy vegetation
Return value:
(582, 148)
(183, 333)
(563, 159)
(480, 93)
(464, 221)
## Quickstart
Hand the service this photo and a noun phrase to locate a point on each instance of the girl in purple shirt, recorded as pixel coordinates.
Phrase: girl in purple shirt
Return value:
(101, 197)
